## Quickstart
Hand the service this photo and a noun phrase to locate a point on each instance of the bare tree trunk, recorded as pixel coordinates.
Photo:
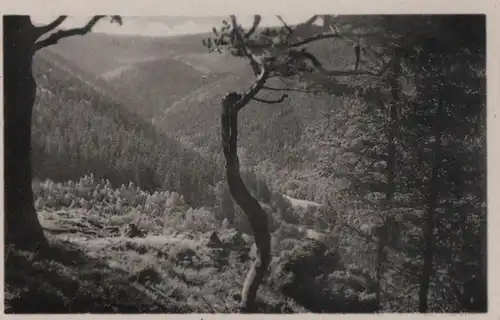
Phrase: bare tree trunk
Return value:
(393, 130)
(482, 299)
(22, 227)
(432, 202)
(254, 212)
(380, 257)
(391, 169)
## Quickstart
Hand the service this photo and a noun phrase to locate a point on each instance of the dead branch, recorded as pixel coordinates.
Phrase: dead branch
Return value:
(256, 21)
(40, 31)
(310, 21)
(287, 27)
(60, 34)
(280, 100)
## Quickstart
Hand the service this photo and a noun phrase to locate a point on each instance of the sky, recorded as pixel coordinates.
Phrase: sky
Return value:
(163, 26)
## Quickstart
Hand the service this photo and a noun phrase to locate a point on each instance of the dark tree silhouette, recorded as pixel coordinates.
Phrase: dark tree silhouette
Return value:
(21, 41)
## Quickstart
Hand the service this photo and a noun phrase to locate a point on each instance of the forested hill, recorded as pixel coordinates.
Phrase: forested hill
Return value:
(79, 127)
(148, 74)
(178, 84)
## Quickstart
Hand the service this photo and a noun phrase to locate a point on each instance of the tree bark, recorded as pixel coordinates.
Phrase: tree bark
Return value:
(22, 227)
(254, 212)
(432, 202)
(393, 130)
(391, 169)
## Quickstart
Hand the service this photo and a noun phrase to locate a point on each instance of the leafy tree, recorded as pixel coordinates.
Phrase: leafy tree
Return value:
(21, 41)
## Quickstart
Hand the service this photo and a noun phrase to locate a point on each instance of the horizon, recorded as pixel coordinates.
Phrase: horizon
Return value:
(163, 26)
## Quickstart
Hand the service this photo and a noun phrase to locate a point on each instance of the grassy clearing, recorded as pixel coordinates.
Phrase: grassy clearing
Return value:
(92, 267)
(179, 260)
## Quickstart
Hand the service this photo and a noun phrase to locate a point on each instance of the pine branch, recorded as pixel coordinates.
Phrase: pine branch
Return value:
(60, 34)
(243, 47)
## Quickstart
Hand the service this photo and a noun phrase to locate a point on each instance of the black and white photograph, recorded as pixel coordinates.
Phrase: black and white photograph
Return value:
(245, 163)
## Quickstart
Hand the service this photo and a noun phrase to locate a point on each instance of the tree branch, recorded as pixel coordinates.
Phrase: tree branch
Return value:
(336, 73)
(60, 34)
(243, 47)
(39, 31)
(256, 21)
(287, 27)
(329, 35)
(326, 35)
(250, 94)
(292, 90)
(280, 100)
(310, 21)
(361, 234)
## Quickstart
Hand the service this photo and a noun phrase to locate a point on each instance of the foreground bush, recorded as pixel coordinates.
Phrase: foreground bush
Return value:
(315, 277)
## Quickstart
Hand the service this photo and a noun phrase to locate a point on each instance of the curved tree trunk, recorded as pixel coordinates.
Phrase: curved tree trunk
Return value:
(254, 212)
(22, 227)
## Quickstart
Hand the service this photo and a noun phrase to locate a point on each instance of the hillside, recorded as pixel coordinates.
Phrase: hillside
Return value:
(177, 85)
(139, 69)
(160, 91)
(80, 127)
(284, 137)
(176, 260)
